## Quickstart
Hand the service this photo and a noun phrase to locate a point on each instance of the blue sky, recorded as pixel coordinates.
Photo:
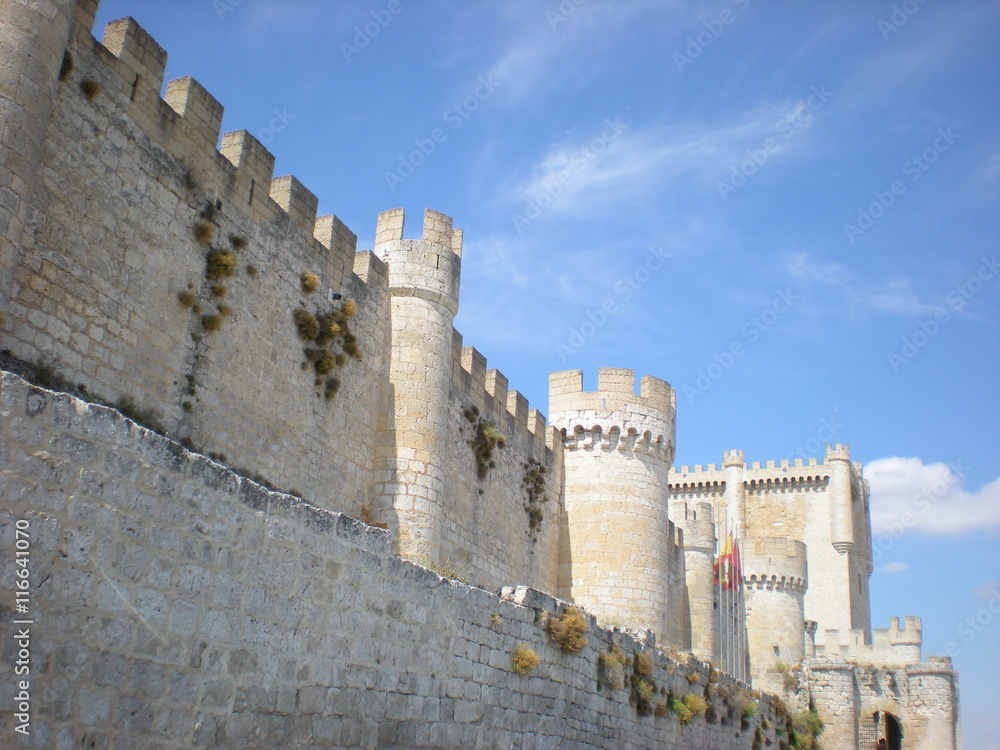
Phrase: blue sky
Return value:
(787, 210)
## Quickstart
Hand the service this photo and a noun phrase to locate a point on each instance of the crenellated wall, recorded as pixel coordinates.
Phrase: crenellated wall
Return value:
(177, 604)
(127, 179)
(893, 646)
(114, 289)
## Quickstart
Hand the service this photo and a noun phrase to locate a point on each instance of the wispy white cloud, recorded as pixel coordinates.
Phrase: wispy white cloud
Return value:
(265, 18)
(614, 162)
(917, 53)
(907, 494)
(895, 296)
(543, 36)
(894, 567)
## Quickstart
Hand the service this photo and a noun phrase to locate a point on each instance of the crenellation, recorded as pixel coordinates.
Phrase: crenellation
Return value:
(496, 387)
(254, 170)
(892, 646)
(389, 226)
(438, 230)
(200, 112)
(517, 405)
(658, 393)
(297, 201)
(537, 426)
(474, 363)
(84, 14)
(369, 268)
(340, 242)
(617, 381)
(135, 48)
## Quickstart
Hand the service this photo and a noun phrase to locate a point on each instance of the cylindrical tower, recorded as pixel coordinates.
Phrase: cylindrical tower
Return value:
(933, 703)
(735, 511)
(834, 694)
(423, 286)
(618, 449)
(33, 41)
(838, 458)
(695, 520)
(774, 569)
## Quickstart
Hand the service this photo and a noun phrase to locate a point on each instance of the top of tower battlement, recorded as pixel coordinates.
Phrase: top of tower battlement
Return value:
(438, 232)
(429, 268)
(615, 389)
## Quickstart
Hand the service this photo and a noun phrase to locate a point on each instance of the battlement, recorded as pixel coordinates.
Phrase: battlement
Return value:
(615, 390)
(910, 634)
(614, 418)
(430, 267)
(696, 520)
(897, 644)
(734, 458)
(186, 122)
(775, 563)
(838, 452)
(488, 391)
(757, 476)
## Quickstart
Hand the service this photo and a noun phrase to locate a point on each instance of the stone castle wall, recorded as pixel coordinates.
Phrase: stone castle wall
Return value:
(154, 269)
(176, 604)
(131, 197)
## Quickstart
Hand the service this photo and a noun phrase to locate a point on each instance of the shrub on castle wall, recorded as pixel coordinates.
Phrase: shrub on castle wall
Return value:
(484, 441)
(330, 333)
(524, 659)
(534, 487)
(611, 667)
(569, 629)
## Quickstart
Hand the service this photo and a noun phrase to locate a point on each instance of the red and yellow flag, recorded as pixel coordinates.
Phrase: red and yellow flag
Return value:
(728, 567)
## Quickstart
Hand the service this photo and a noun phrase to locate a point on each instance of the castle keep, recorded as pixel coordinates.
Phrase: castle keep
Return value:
(258, 546)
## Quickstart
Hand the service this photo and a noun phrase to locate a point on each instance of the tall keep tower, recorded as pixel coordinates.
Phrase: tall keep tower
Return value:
(618, 449)
(840, 548)
(423, 286)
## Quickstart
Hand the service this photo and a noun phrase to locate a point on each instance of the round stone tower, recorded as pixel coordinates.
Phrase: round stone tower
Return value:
(735, 510)
(33, 41)
(838, 458)
(423, 286)
(618, 447)
(774, 571)
(695, 521)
